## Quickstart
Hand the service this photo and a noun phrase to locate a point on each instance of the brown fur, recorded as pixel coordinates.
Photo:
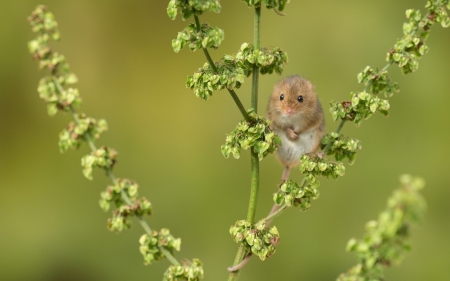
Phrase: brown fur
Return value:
(307, 114)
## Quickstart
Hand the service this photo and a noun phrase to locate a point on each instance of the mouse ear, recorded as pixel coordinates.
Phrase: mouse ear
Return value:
(310, 85)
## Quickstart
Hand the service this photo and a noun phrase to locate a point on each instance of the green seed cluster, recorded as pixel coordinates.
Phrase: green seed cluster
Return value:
(49, 89)
(121, 215)
(74, 134)
(411, 46)
(151, 245)
(314, 167)
(341, 147)
(361, 107)
(255, 134)
(206, 37)
(123, 194)
(227, 73)
(56, 97)
(104, 157)
(292, 194)
(256, 238)
(377, 82)
(191, 7)
(270, 4)
(267, 60)
(113, 195)
(186, 272)
(387, 239)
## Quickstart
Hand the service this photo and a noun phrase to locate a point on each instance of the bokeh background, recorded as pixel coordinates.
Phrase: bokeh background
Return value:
(51, 227)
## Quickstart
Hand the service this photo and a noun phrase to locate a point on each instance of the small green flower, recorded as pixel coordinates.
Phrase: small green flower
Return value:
(206, 37)
(292, 194)
(256, 237)
(189, 271)
(151, 245)
(341, 147)
(377, 82)
(255, 134)
(270, 4)
(267, 60)
(361, 106)
(104, 157)
(191, 7)
(74, 134)
(387, 239)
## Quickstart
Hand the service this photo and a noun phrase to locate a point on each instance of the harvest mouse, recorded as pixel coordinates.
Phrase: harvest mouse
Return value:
(297, 117)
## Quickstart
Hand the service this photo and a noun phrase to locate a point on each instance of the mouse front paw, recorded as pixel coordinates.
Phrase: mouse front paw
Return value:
(291, 134)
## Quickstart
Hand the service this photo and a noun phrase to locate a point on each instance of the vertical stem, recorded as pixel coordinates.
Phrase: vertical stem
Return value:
(254, 189)
(255, 76)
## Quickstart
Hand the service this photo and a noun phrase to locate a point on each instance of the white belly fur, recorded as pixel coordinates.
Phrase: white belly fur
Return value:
(291, 151)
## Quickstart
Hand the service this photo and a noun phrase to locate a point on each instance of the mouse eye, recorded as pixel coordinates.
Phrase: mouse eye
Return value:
(282, 97)
(300, 98)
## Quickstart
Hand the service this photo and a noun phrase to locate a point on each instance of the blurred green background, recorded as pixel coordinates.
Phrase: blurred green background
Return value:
(169, 141)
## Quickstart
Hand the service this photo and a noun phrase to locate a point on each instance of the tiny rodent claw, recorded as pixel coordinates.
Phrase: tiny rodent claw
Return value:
(291, 134)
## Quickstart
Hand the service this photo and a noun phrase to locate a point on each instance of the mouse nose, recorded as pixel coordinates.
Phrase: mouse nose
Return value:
(290, 111)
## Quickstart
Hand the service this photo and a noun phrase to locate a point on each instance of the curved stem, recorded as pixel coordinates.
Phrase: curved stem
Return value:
(275, 214)
(89, 140)
(213, 66)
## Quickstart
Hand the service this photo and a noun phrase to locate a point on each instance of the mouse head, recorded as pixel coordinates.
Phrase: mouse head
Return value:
(291, 97)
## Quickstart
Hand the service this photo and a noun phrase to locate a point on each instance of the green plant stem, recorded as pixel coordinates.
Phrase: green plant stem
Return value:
(254, 189)
(125, 197)
(255, 74)
(213, 66)
(273, 215)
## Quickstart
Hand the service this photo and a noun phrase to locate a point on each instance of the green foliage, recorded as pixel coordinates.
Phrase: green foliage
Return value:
(57, 98)
(188, 271)
(316, 166)
(292, 194)
(113, 195)
(267, 60)
(387, 239)
(361, 107)
(43, 21)
(411, 46)
(377, 82)
(74, 134)
(191, 7)
(151, 245)
(121, 215)
(123, 193)
(256, 238)
(206, 37)
(341, 147)
(227, 73)
(255, 134)
(270, 4)
(104, 157)
(230, 71)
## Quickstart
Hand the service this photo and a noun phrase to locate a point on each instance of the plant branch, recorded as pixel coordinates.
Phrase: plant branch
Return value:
(254, 189)
(213, 66)
(255, 74)
(275, 214)
(125, 197)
